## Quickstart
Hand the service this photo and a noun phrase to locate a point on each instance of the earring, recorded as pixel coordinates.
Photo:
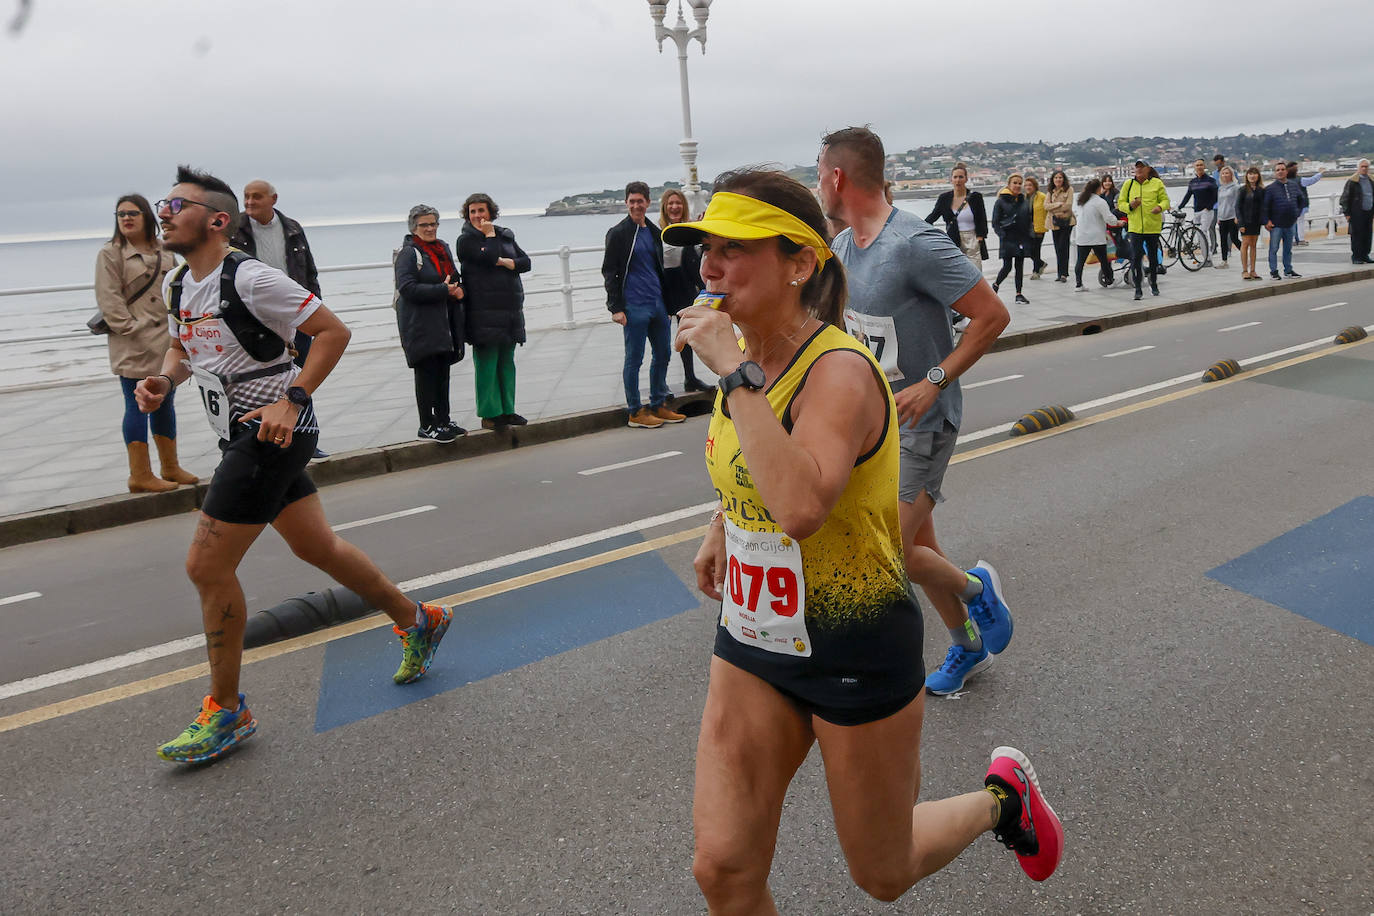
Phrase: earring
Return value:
(799, 281)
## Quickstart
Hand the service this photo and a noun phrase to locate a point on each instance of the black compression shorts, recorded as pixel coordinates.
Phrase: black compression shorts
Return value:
(256, 480)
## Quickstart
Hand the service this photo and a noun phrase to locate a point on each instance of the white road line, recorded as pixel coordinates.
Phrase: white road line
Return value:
(1128, 352)
(67, 675)
(627, 464)
(384, 518)
(991, 381)
(90, 669)
(114, 663)
(15, 599)
(1334, 305)
(1237, 327)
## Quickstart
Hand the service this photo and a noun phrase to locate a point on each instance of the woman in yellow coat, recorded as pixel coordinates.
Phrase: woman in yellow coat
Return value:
(1036, 198)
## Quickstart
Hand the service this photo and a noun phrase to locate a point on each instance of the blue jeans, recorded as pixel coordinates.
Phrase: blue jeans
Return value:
(647, 322)
(1286, 234)
(136, 422)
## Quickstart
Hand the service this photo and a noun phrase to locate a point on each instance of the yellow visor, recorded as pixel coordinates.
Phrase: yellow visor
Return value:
(734, 216)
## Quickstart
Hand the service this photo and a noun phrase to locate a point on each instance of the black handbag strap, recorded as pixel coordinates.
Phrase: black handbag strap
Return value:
(157, 269)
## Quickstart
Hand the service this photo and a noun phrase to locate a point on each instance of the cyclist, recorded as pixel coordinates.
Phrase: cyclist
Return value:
(260, 405)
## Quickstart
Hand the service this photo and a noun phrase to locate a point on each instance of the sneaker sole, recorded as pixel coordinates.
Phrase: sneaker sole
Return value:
(1024, 763)
(645, 425)
(438, 637)
(976, 669)
(997, 587)
(242, 733)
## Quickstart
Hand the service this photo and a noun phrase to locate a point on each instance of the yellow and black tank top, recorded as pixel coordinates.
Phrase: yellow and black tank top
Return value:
(863, 625)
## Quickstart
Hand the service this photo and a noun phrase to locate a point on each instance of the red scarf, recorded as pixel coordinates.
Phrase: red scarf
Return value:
(438, 254)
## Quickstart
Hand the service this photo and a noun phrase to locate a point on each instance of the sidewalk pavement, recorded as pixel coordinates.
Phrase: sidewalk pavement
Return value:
(62, 444)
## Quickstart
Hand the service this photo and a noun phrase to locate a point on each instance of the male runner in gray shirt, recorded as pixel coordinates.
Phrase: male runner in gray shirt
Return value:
(904, 277)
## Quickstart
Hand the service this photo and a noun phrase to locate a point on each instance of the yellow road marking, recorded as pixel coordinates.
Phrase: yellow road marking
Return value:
(181, 675)
(252, 656)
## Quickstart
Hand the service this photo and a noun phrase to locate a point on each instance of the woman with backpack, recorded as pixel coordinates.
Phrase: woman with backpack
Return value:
(429, 315)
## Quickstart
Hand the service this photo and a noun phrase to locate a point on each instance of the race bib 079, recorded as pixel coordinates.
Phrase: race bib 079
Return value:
(764, 599)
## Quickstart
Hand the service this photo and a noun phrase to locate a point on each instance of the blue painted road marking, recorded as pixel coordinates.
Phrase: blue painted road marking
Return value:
(1319, 570)
(503, 632)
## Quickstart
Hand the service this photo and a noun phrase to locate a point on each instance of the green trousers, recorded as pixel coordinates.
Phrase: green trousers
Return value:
(493, 376)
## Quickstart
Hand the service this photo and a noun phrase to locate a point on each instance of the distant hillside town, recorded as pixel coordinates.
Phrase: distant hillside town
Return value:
(925, 170)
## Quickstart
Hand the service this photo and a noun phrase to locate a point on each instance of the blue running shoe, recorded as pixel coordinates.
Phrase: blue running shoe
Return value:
(989, 611)
(960, 664)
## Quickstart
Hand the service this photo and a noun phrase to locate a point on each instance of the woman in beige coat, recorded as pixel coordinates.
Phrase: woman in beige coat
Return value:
(128, 288)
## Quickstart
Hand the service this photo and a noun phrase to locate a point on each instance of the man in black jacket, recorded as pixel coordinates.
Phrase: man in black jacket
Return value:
(633, 270)
(275, 239)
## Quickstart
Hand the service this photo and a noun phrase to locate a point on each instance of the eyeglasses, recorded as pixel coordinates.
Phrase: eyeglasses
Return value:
(127, 214)
(175, 205)
(433, 225)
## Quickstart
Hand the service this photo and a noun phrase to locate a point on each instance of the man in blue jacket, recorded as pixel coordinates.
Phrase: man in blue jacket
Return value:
(633, 271)
(1202, 191)
(1279, 213)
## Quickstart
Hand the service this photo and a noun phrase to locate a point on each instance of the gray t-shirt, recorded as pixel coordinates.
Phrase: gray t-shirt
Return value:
(901, 288)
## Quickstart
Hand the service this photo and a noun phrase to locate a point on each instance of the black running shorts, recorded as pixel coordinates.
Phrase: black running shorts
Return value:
(256, 480)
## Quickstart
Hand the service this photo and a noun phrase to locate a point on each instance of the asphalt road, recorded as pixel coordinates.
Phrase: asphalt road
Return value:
(120, 590)
(1204, 734)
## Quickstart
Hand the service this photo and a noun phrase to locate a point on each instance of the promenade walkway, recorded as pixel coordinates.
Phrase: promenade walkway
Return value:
(61, 445)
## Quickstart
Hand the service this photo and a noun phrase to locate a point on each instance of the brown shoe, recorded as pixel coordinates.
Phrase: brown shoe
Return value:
(643, 418)
(669, 416)
(171, 467)
(141, 477)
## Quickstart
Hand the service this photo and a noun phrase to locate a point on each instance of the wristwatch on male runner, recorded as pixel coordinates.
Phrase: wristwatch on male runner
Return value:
(748, 375)
(298, 396)
(936, 376)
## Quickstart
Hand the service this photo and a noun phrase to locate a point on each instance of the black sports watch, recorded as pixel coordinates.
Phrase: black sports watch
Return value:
(936, 376)
(298, 396)
(748, 375)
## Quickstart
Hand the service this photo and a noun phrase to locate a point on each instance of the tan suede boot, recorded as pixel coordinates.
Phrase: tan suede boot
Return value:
(141, 479)
(171, 468)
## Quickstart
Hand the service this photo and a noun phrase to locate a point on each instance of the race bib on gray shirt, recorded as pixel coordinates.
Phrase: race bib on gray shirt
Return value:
(901, 288)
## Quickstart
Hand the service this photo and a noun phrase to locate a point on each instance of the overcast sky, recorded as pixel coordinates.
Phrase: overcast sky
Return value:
(361, 108)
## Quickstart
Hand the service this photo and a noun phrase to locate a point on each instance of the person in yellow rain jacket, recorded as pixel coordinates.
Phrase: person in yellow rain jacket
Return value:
(1144, 199)
(1036, 199)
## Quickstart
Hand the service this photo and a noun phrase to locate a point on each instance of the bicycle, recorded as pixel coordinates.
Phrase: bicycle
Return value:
(1183, 241)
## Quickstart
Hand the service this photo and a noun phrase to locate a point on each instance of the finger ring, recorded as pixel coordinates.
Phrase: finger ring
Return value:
(281, 439)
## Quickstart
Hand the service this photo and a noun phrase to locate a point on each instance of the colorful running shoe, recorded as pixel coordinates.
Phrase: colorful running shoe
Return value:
(1035, 835)
(420, 642)
(960, 664)
(989, 611)
(215, 730)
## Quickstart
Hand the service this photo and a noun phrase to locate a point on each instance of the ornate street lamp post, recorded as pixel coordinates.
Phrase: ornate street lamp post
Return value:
(682, 36)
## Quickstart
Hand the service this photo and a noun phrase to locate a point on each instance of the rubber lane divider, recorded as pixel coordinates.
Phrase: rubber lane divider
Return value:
(1223, 368)
(252, 656)
(304, 614)
(1351, 334)
(1042, 418)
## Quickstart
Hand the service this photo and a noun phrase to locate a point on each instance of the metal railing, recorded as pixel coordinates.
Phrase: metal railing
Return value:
(565, 288)
(1332, 219)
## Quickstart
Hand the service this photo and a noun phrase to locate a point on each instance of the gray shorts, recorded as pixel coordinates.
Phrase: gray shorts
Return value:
(924, 458)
